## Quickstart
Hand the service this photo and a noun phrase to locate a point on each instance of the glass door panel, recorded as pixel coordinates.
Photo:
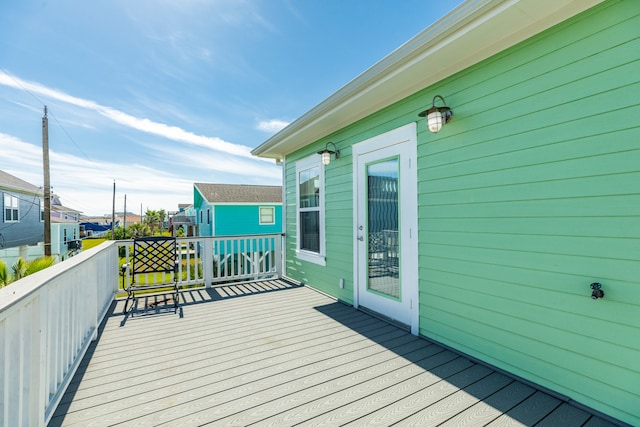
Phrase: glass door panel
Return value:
(383, 254)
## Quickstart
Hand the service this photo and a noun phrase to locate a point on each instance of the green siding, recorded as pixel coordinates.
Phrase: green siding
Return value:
(529, 195)
(233, 220)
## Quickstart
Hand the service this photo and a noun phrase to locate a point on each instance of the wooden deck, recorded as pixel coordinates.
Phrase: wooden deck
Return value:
(272, 353)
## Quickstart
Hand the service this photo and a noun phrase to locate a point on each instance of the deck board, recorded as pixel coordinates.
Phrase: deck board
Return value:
(272, 353)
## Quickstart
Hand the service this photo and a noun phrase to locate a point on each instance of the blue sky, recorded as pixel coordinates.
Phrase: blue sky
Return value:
(158, 94)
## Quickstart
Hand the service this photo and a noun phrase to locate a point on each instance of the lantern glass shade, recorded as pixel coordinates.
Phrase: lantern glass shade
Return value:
(326, 158)
(437, 116)
(434, 121)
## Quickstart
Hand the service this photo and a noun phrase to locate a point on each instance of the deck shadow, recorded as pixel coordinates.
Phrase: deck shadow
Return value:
(511, 398)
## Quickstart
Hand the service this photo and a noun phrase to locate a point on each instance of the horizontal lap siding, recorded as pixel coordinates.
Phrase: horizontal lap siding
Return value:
(531, 194)
(338, 228)
(339, 197)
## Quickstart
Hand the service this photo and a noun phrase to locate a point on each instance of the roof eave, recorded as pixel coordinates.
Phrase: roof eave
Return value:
(477, 28)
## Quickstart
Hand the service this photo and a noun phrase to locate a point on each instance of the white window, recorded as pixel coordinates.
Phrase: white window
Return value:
(267, 215)
(11, 213)
(310, 210)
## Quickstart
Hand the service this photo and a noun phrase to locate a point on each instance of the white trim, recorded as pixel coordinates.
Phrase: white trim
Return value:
(273, 214)
(474, 31)
(312, 161)
(246, 204)
(408, 213)
(9, 205)
(311, 257)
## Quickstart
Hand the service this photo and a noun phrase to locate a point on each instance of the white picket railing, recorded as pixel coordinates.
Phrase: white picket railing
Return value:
(47, 322)
(210, 260)
(48, 319)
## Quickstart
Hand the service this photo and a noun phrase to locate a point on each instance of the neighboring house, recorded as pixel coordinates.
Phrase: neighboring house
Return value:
(65, 238)
(488, 235)
(58, 211)
(21, 220)
(65, 230)
(99, 226)
(22, 223)
(232, 209)
(184, 218)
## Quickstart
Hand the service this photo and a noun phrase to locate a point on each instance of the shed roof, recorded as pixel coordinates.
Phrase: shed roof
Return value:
(472, 32)
(239, 193)
(13, 183)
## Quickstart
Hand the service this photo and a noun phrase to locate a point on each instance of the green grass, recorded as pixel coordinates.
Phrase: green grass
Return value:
(91, 243)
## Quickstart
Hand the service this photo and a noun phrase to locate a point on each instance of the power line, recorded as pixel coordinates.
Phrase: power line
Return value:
(43, 104)
(69, 136)
(20, 84)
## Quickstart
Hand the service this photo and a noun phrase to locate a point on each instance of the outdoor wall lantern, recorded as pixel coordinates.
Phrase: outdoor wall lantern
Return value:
(437, 116)
(326, 153)
(596, 291)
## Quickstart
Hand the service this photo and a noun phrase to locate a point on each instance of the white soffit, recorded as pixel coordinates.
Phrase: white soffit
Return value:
(472, 32)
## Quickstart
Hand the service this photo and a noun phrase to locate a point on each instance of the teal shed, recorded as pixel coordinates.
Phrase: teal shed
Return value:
(512, 235)
(237, 209)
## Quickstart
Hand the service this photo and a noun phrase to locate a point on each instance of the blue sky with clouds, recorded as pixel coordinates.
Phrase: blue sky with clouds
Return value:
(159, 94)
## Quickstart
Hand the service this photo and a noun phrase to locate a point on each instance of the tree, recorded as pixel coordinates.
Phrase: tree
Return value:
(155, 220)
(19, 269)
(138, 230)
(120, 233)
(4, 274)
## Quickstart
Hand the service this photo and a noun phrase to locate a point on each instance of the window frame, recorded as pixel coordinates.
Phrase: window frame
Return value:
(302, 165)
(8, 204)
(272, 210)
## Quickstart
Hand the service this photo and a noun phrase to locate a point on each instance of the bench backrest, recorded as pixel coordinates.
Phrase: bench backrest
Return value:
(154, 255)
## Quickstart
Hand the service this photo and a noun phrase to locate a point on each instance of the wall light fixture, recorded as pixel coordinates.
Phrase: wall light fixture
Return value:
(437, 116)
(326, 153)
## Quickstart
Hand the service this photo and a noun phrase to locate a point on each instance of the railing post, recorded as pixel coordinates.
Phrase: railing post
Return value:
(40, 376)
(278, 251)
(207, 261)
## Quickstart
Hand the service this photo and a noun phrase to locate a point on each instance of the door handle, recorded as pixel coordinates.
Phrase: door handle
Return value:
(361, 238)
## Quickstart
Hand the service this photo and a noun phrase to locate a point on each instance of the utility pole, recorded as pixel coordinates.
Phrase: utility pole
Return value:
(113, 213)
(47, 184)
(125, 212)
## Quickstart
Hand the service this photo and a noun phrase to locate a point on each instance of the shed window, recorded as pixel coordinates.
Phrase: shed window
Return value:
(310, 210)
(267, 215)
(11, 213)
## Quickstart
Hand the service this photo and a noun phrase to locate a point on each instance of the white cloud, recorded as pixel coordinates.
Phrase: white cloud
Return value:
(87, 185)
(274, 125)
(223, 165)
(160, 179)
(144, 125)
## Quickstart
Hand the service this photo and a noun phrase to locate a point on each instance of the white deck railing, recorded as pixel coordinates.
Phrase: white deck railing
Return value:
(209, 260)
(48, 319)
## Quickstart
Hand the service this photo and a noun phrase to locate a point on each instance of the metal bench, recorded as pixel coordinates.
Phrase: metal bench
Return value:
(154, 268)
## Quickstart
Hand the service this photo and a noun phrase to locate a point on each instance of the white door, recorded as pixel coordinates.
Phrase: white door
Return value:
(386, 240)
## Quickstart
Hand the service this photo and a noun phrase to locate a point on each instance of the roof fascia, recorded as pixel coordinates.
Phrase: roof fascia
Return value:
(472, 32)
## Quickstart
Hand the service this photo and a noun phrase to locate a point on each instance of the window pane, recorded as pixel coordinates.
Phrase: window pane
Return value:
(266, 215)
(310, 188)
(310, 231)
(383, 221)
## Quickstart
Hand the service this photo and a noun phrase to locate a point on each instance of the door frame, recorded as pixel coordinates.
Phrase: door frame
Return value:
(408, 212)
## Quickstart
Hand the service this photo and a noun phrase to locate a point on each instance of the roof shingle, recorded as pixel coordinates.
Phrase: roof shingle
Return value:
(240, 193)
